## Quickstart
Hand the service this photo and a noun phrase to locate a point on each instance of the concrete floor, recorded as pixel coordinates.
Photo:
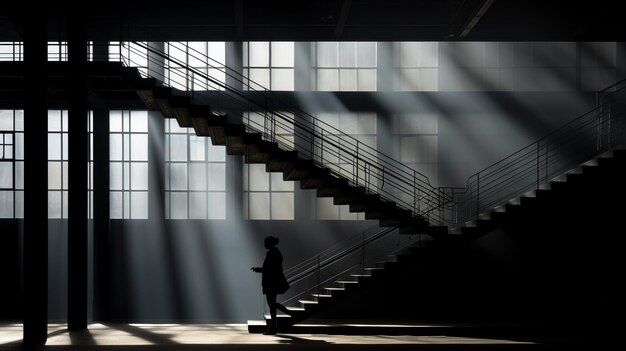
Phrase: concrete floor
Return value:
(236, 337)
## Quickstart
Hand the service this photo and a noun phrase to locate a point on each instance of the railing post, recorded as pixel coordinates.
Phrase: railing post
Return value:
(318, 276)
(537, 165)
(477, 194)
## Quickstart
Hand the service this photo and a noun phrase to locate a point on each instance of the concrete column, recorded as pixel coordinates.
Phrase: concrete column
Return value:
(35, 298)
(78, 158)
(234, 170)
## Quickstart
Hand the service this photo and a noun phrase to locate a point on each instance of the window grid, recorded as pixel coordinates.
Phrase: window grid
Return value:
(11, 164)
(269, 65)
(195, 175)
(206, 57)
(416, 66)
(129, 164)
(11, 51)
(57, 163)
(344, 66)
(266, 195)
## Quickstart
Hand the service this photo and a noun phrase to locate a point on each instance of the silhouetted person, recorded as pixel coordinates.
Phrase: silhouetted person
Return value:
(272, 280)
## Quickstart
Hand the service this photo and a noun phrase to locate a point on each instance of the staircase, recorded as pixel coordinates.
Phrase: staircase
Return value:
(488, 201)
(245, 140)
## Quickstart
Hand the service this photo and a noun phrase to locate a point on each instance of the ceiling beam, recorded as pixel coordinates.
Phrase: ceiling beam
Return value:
(239, 17)
(343, 17)
(467, 28)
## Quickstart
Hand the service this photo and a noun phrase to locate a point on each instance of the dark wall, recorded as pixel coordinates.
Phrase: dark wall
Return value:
(10, 270)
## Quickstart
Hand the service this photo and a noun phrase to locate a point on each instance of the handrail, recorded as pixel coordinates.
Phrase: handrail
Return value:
(534, 165)
(315, 139)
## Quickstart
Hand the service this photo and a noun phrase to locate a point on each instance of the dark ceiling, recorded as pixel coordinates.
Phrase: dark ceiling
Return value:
(434, 20)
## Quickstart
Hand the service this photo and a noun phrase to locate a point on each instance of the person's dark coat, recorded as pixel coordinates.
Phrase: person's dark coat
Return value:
(272, 271)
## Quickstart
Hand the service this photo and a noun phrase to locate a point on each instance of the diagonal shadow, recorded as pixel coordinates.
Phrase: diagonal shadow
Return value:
(154, 338)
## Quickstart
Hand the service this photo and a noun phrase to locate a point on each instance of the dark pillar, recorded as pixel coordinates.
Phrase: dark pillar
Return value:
(35, 184)
(101, 208)
(78, 158)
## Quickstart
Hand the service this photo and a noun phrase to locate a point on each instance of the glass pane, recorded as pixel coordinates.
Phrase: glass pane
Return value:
(278, 184)
(282, 206)
(367, 123)
(19, 204)
(139, 122)
(115, 148)
(259, 205)
(54, 175)
(366, 54)
(178, 147)
(348, 123)
(115, 175)
(259, 53)
(197, 148)
(346, 215)
(282, 79)
(115, 121)
(217, 153)
(217, 51)
(178, 176)
(429, 54)
(65, 172)
(6, 175)
(139, 147)
(177, 51)
(126, 175)
(197, 176)
(259, 178)
(54, 120)
(139, 176)
(429, 80)
(19, 146)
(260, 78)
(217, 205)
(409, 54)
(116, 204)
(6, 204)
(216, 176)
(282, 54)
(139, 205)
(347, 54)
(6, 120)
(126, 196)
(54, 146)
(327, 54)
(197, 52)
(327, 80)
(366, 80)
(54, 204)
(218, 75)
(347, 80)
(19, 175)
(126, 148)
(64, 146)
(197, 205)
(178, 205)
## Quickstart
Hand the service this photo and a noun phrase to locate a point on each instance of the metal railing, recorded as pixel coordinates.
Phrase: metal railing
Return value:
(532, 167)
(349, 257)
(327, 146)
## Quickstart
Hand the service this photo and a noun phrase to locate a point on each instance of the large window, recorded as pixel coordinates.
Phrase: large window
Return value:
(269, 65)
(416, 66)
(11, 51)
(195, 175)
(266, 195)
(129, 164)
(358, 131)
(344, 66)
(415, 143)
(57, 163)
(11, 164)
(207, 60)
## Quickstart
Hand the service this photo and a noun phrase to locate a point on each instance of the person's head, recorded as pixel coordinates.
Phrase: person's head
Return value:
(271, 241)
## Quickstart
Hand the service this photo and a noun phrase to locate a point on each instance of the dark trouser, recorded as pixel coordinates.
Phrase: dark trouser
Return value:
(273, 305)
